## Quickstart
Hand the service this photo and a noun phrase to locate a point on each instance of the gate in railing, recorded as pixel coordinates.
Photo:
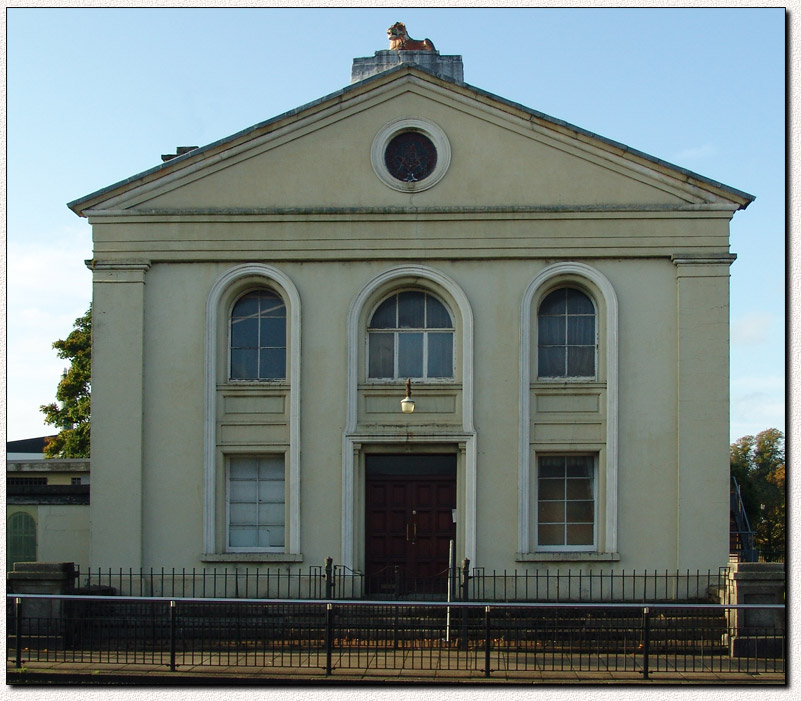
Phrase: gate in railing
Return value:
(331, 636)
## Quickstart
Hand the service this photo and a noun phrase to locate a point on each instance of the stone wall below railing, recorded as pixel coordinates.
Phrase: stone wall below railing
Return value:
(759, 631)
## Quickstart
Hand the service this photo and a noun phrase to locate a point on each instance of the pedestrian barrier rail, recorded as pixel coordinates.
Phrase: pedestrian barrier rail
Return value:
(332, 636)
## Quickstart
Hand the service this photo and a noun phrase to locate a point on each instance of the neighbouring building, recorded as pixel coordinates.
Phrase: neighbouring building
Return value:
(559, 301)
(47, 506)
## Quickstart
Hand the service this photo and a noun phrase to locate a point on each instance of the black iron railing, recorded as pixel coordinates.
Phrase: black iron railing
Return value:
(334, 636)
(206, 582)
(464, 583)
(576, 585)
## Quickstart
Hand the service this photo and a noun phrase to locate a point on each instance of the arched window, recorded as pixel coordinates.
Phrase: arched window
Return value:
(258, 337)
(568, 429)
(253, 349)
(566, 332)
(21, 538)
(410, 334)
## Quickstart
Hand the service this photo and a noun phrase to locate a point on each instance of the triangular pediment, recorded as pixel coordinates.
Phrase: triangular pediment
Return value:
(318, 157)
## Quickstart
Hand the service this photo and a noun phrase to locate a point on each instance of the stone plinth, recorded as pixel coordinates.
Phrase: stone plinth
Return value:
(756, 632)
(43, 616)
(431, 61)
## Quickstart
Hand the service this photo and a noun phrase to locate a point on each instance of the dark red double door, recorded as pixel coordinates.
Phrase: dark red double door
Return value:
(409, 522)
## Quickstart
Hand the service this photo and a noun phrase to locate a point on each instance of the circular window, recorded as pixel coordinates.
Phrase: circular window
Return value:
(410, 154)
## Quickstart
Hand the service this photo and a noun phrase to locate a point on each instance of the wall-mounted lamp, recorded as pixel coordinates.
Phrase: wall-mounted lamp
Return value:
(407, 403)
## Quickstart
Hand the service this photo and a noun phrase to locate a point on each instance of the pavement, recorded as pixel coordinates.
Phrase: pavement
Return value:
(409, 669)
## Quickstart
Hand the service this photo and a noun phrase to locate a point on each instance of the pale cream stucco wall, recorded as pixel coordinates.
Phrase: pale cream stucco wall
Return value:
(156, 263)
(63, 532)
(650, 520)
(491, 165)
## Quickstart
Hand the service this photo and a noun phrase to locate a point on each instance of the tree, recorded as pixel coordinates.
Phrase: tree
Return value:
(758, 465)
(71, 411)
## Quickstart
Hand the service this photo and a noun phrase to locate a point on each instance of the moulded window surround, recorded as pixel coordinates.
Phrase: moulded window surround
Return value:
(391, 280)
(410, 334)
(230, 287)
(570, 274)
(433, 133)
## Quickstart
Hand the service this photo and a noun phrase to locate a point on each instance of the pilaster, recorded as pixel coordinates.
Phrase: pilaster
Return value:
(702, 518)
(117, 422)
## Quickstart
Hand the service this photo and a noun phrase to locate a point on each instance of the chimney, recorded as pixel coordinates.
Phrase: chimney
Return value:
(179, 151)
(404, 49)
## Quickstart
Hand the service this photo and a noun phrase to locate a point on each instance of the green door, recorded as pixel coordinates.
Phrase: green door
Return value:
(21, 539)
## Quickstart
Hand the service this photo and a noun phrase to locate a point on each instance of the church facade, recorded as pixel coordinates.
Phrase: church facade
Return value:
(557, 303)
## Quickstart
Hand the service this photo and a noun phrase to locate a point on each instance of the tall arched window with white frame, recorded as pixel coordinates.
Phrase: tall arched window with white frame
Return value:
(252, 475)
(568, 463)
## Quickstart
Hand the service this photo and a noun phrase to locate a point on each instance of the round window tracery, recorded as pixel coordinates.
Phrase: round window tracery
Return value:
(410, 154)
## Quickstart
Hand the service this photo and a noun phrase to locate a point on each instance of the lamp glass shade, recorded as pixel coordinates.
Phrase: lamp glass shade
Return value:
(407, 405)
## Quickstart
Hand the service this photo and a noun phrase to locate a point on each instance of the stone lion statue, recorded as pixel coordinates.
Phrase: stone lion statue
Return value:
(399, 40)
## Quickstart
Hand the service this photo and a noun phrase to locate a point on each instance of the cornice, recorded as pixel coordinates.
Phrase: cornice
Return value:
(362, 92)
(703, 258)
(128, 266)
(457, 211)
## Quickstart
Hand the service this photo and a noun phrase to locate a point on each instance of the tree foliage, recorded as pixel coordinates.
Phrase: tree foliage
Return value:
(758, 465)
(70, 413)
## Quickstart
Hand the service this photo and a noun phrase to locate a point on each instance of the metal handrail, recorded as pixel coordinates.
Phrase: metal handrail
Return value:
(487, 633)
(744, 531)
(394, 602)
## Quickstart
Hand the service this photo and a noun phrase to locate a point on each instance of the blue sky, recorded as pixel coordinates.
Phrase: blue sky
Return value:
(96, 95)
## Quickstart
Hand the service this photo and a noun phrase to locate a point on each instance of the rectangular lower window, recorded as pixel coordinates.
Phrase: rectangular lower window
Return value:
(566, 502)
(256, 503)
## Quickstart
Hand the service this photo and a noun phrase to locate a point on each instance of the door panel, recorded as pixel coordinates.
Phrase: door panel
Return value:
(409, 522)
